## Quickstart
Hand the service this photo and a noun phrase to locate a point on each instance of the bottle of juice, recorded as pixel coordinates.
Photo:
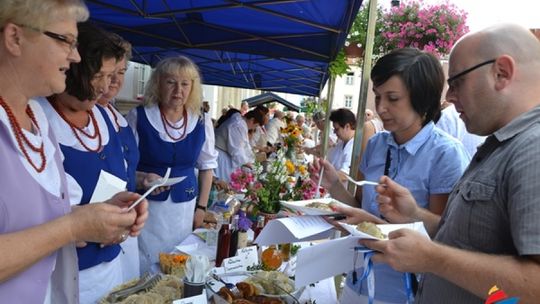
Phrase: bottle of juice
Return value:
(224, 241)
(234, 236)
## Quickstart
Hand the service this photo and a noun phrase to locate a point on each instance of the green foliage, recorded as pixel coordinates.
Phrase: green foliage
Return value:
(310, 105)
(339, 66)
(358, 32)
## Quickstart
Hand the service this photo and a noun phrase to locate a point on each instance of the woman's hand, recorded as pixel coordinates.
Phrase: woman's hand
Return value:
(147, 183)
(353, 216)
(198, 218)
(100, 223)
(330, 175)
(124, 200)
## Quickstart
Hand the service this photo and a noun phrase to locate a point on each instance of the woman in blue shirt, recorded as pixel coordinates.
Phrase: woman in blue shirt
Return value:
(407, 84)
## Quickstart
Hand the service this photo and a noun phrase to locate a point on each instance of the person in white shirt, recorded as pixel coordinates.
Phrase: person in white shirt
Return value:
(453, 125)
(273, 128)
(232, 141)
(344, 123)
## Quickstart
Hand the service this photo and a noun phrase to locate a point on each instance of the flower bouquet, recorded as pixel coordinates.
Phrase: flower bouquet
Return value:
(292, 137)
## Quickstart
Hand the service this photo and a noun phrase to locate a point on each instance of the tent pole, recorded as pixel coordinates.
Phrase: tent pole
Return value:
(362, 100)
(326, 132)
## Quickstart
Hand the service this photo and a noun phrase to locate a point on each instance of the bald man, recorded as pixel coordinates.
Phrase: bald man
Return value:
(489, 233)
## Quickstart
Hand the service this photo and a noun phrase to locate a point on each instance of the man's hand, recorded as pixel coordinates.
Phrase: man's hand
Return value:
(396, 203)
(405, 250)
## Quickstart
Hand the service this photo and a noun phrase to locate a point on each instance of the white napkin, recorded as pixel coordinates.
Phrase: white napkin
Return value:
(197, 268)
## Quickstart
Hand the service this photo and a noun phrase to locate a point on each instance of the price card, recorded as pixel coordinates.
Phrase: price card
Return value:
(245, 257)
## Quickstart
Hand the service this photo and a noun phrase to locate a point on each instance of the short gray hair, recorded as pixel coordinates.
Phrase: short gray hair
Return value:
(40, 13)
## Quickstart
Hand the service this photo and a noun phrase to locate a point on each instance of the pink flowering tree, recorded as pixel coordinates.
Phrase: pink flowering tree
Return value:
(433, 28)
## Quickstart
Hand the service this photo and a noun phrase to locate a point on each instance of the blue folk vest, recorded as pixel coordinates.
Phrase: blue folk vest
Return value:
(158, 155)
(85, 167)
(131, 154)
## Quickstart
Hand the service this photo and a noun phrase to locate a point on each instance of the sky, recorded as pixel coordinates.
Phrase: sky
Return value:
(483, 13)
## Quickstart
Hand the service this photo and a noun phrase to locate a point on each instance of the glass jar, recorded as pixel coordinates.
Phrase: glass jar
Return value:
(271, 258)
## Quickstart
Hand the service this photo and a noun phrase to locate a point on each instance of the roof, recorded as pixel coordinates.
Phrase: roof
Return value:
(270, 97)
(272, 45)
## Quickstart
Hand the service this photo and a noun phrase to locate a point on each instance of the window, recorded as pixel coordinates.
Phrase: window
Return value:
(349, 80)
(141, 81)
(348, 101)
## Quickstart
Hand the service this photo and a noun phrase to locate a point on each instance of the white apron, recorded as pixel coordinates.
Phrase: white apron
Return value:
(95, 282)
(129, 257)
(169, 224)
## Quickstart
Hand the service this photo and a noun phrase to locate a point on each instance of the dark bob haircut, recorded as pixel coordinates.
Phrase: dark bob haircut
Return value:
(95, 45)
(422, 75)
(343, 117)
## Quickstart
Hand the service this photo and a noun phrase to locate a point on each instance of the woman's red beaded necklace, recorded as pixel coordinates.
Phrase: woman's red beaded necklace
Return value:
(111, 108)
(20, 137)
(76, 130)
(166, 124)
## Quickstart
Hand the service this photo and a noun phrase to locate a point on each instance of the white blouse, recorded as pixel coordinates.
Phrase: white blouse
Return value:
(238, 141)
(207, 158)
(49, 178)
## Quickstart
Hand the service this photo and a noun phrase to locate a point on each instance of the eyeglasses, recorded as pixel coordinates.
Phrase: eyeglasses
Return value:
(67, 39)
(453, 79)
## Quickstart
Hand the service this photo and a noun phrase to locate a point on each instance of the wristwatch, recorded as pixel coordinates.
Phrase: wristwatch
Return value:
(200, 207)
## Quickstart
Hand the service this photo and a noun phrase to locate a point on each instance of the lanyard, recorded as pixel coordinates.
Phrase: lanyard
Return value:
(370, 276)
(367, 274)
(408, 287)
(387, 163)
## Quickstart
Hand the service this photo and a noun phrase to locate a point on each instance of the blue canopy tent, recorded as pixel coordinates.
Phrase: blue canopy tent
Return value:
(271, 45)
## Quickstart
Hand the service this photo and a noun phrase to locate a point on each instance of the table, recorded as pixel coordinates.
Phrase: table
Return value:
(323, 292)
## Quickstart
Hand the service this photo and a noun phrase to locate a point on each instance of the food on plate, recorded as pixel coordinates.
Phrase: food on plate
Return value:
(247, 289)
(226, 294)
(242, 301)
(164, 291)
(371, 229)
(266, 300)
(173, 263)
(271, 282)
(319, 205)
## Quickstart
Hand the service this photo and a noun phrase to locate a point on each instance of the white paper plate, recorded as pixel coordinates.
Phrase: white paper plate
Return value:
(385, 228)
(301, 206)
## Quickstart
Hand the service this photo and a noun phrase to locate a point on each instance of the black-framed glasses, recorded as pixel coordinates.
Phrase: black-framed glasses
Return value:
(67, 39)
(467, 71)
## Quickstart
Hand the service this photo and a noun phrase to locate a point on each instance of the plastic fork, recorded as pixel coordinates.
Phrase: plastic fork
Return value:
(361, 183)
(157, 183)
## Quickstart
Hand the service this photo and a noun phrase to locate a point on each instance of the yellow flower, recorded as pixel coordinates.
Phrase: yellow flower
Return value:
(290, 166)
(302, 169)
